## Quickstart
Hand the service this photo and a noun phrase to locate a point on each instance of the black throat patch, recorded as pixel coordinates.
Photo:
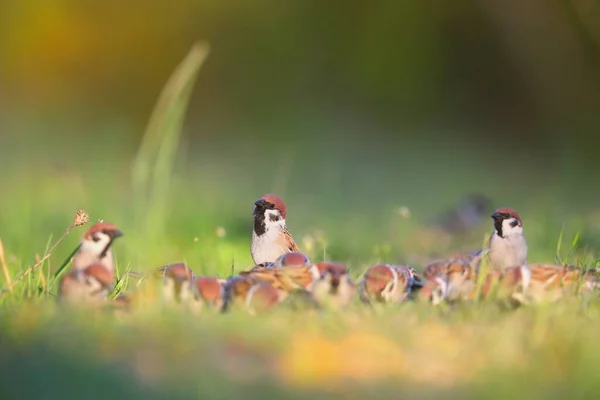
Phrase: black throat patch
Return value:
(106, 248)
(498, 226)
(259, 221)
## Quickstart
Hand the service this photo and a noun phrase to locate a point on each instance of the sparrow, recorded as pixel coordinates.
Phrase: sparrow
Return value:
(91, 278)
(507, 246)
(208, 291)
(453, 279)
(270, 237)
(434, 290)
(286, 278)
(386, 283)
(296, 279)
(334, 288)
(86, 286)
(536, 283)
(177, 283)
(95, 247)
(298, 259)
(250, 293)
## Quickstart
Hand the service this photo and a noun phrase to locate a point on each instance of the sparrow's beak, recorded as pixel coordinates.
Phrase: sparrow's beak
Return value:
(115, 234)
(496, 216)
(260, 203)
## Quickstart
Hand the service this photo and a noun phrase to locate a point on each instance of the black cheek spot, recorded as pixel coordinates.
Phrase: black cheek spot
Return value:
(274, 217)
(514, 223)
(95, 238)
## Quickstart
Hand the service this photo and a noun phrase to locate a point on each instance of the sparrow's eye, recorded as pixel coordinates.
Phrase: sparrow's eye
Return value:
(274, 217)
(505, 215)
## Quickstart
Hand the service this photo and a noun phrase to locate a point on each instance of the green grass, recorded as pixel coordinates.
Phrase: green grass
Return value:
(341, 206)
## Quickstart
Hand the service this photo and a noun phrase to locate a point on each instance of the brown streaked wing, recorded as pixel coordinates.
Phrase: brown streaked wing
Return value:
(256, 268)
(288, 242)
(291, 278)
(459, 268)
(548, 275)
(269, 275)
(435, 269)
(572, 275)
(99, 273)
(377, 277)
(237, 287)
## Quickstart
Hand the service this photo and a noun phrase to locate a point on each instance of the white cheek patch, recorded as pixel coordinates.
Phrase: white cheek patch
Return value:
(92, 247)
(96, 248)
(508, 229)
(272, 216)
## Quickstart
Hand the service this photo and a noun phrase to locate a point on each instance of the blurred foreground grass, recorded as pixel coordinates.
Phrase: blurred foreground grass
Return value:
(343, 201)
(408, 351)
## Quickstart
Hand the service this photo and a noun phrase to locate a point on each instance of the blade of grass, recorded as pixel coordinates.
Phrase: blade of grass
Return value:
(573, 247)
(81, 218)
(5, 267)
(559, 245)
(152, 168)
(62, 267)
(42, 279)
(575, 240)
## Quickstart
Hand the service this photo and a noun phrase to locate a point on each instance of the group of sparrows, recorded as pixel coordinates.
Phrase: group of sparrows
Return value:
(282, 275)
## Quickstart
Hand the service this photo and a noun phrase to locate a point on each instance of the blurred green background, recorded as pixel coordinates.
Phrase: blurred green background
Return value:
(359, 114)
(348, 110)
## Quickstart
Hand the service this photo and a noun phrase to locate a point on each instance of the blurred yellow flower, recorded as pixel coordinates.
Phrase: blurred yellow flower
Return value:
(220, 232)
(313, 360)
(403, 212)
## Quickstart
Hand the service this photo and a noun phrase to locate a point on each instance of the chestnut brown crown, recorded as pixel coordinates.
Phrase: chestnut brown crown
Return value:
(104, 227)
(506, 213)
(272, 201)
(294, 258)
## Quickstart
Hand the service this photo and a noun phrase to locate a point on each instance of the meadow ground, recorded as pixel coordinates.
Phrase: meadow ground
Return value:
(195, 206)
